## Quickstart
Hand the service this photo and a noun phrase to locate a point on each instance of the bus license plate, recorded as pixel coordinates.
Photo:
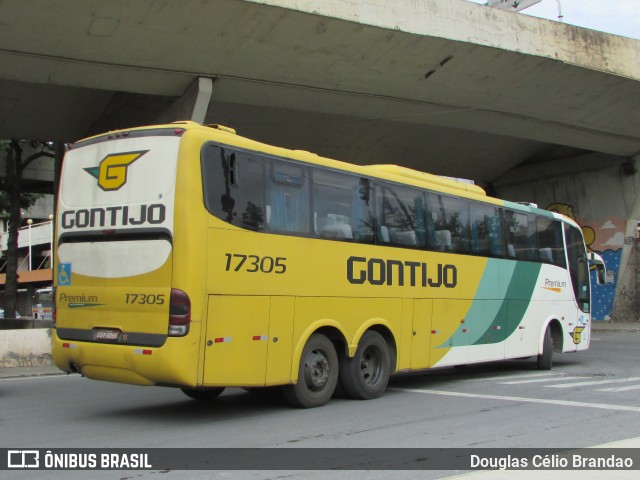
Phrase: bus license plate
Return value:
(106, 334)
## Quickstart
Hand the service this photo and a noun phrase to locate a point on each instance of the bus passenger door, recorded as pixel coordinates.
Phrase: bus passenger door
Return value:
(236, 342)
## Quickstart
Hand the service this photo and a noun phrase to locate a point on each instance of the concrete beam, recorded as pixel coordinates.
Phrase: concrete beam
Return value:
(555, 168)
(446, 86)
(475, 24)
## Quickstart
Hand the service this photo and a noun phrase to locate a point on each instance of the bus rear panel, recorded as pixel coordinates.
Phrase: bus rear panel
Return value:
(118, 318)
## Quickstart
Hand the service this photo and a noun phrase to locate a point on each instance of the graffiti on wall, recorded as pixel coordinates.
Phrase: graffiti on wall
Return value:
(606, 238)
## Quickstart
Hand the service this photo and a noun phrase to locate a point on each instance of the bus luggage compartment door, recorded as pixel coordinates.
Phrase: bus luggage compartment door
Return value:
(236, 342)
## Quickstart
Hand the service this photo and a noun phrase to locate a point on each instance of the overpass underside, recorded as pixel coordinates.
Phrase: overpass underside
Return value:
(445, 86)
(536, 110)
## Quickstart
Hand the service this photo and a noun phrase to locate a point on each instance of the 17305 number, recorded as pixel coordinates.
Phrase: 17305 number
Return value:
(144, 299)
(237, 262)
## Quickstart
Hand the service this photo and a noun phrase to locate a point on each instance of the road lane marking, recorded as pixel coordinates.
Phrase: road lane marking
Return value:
(517, 375)
(628, 388)
(539, 380)
(565, 403)
(595, 382)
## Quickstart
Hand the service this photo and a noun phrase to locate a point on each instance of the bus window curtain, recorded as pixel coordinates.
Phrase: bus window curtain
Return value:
(421, 233)
(289, 207)
(495, 234)
(360, 224)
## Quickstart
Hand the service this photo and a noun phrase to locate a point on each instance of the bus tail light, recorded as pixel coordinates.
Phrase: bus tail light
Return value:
(179, 313)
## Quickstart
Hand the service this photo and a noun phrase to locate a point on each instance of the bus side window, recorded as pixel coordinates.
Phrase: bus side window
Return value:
(400, 216)
(451, 223)
(288, 198)
(438, 236)
(521, 240)
(497, 233)
(233, 185)
(339, 211)
(487, 236)
(549, 233)
(362, 216)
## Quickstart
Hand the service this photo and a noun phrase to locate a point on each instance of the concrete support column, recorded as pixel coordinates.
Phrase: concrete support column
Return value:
(193, 105)
(628, 293)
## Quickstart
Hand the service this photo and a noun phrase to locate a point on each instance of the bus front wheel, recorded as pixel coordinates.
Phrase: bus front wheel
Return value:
(365, 376)
(545, 359)
(317, 374)
(203, 394)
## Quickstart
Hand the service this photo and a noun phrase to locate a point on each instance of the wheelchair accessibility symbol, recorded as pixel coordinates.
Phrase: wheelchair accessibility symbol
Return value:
(64, 274)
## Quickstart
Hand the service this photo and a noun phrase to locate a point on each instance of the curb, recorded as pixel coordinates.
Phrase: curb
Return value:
(22, 372)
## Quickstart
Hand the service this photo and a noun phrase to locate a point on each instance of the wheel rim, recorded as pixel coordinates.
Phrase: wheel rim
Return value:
(371, 365)
(316, 370)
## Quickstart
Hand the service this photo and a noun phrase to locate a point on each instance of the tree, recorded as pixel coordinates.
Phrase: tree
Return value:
(12, 200)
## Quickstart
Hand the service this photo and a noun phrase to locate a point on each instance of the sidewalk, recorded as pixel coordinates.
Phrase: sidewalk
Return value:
(38, 371)
(601, 326)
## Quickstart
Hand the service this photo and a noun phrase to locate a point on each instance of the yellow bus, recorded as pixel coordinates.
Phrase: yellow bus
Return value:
(191, 257)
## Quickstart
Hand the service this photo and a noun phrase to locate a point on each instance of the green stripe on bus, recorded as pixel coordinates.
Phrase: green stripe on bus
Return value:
(492, 317)
(521, 287)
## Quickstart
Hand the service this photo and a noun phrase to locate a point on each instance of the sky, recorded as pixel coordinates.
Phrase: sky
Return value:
(620, 17)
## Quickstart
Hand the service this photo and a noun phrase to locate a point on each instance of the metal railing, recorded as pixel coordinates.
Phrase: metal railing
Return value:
(33, 235)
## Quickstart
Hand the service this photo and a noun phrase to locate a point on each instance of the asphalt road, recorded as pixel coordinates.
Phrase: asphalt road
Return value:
(589, 398)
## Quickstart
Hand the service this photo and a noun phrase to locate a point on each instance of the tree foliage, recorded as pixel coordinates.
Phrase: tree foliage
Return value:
(12, 200)
(27, 200)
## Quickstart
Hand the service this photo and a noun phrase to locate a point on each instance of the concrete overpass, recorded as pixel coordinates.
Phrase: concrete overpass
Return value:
(441, 85)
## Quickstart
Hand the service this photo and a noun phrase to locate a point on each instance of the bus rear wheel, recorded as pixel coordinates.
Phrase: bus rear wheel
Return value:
(203, 394)
(545, 359)
(365, 376)
(317, 374)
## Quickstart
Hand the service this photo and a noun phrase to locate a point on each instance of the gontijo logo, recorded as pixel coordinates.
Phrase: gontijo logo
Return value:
(112, 170)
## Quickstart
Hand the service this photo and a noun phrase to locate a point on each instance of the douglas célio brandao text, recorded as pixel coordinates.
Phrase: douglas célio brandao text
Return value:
(553, 461)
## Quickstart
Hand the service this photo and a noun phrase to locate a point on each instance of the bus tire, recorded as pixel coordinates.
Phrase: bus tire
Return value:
(203, 394)
(317, 374)
(365, 376)
(545, 359)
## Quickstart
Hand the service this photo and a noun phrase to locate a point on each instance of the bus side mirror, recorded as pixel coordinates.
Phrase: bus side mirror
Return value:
(601, 271)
